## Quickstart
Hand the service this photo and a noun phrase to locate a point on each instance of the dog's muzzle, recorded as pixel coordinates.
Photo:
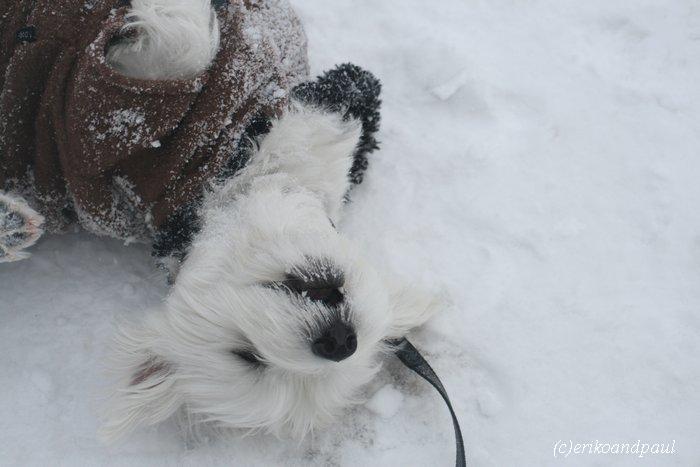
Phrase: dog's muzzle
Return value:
(337, 343)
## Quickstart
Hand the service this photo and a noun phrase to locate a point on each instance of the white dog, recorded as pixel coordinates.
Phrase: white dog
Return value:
(274, 321)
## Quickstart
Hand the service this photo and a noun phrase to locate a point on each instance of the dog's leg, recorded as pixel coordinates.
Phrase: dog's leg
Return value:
(174, 39)
(324, 139)
(314, 148)
(353, 93)
(20, 228)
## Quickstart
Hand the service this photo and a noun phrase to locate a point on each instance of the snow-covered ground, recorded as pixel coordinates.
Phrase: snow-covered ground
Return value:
(541, 161)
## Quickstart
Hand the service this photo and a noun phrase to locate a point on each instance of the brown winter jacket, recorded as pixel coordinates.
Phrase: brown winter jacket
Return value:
(121, 155)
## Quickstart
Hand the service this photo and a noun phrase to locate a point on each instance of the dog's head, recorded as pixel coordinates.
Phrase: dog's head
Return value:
(274, 323)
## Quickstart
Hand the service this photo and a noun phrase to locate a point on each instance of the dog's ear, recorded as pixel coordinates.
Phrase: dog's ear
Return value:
(145, 393)
(411, 306)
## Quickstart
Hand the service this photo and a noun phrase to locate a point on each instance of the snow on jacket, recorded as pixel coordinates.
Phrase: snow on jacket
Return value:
(121, 155)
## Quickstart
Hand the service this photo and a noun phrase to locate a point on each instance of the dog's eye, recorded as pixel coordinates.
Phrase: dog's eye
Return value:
(327, 291)
(329, 296)
(248, 356)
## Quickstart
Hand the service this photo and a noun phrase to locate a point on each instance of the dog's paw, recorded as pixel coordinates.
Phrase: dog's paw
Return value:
(354, 93)
(20, 228)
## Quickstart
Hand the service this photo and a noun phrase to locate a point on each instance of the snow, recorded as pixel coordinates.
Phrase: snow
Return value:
(539, 161)
(385, 402)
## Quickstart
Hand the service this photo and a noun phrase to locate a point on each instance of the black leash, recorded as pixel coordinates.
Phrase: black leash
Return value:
(410, 357)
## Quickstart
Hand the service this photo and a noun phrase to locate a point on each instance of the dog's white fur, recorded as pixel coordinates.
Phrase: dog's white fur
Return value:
(17, 218)
(171, 39)
(274, 218)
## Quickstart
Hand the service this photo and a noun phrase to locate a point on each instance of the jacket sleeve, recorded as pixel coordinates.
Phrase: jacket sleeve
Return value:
(115, 134)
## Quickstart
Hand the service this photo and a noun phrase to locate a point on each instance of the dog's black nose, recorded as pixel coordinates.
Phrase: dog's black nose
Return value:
(337, 343)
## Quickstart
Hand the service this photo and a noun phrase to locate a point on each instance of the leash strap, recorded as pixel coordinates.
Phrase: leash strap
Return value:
(410, 357)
